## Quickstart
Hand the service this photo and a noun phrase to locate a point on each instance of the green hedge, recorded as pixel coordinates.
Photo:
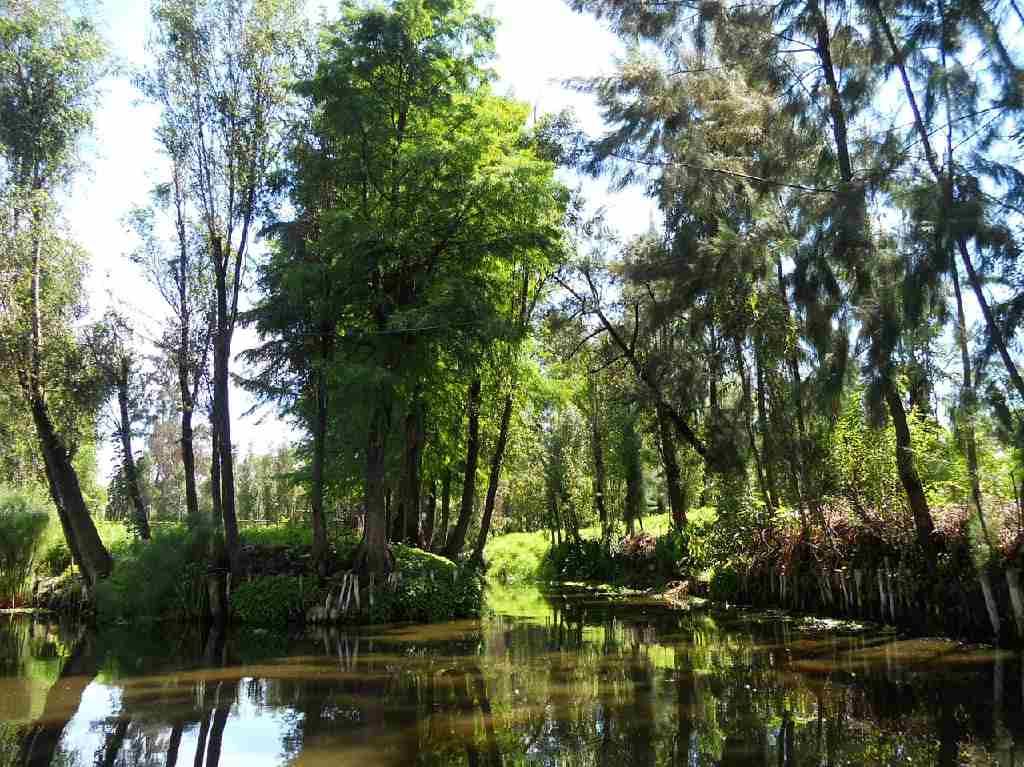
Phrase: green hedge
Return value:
(23, 522)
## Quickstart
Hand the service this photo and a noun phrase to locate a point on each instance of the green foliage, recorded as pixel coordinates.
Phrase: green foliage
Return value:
(56, 558)
(725, 584)
(274, 600)
(516, 557)
(23, 522)
(161, 578)
(431, 589)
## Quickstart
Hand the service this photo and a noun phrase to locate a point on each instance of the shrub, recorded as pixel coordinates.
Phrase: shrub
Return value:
(725, 584)
(55, 560)
(431, 588)
(163, 577)
(273, 600)
(23, 521)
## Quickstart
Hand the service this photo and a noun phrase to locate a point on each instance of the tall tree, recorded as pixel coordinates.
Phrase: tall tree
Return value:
(221, 76)
(49, 68)
(421, 188)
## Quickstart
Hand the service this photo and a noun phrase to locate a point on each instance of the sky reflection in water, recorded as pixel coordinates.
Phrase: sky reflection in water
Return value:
(569, 680)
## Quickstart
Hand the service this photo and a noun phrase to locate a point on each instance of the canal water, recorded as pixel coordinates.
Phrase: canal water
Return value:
(569, 678)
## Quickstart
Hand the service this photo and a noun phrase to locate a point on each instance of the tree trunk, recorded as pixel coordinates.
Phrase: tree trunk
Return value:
(429, 521)
(799, 472)
(492, 482)
(457, 539)
(676, 496)
(407, 527)
(446, 505)
(373, 556)
(188, 462)
(748, 417)
(767, 443)
(93, 558)
(967, 408)
(907, 470)
(597, 448)
(222, 407)
(140, 518)
(319, 456)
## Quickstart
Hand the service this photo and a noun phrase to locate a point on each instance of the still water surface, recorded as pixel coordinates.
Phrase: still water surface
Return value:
(569, 679)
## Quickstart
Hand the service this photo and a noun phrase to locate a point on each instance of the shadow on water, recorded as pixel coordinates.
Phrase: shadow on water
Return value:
(568, 680)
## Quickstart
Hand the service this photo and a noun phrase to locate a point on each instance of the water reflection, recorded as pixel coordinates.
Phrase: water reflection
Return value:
(571, 682)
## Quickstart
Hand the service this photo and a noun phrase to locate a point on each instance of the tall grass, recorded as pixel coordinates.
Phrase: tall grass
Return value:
(23, 523)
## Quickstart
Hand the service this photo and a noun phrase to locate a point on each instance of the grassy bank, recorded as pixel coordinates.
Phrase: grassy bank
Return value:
(166, 579)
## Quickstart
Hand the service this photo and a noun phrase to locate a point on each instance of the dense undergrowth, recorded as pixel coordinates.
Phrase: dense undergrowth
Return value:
(165, 578)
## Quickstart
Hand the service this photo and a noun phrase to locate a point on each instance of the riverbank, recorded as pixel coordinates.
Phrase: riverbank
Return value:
(166, 579)
(852, 572)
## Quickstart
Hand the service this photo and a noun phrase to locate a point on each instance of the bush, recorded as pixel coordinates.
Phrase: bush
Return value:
(23, 522)
(55, 560)
(430, 589)
(586, 560)
(273, 600)
(725, 585)
(163, 577)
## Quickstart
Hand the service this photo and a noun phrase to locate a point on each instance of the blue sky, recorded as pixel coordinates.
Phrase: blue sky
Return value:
(539, 44)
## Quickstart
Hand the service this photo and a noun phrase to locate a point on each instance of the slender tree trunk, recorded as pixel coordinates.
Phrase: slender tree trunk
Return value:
(373, 556)
(131, 475)
(907, 470)
(446, 505)
(188, 462)
(215, 478)
(676, 496)
(430, 519)
(967, 408)
(457, 539)
(222, 406)
(767, 443)
(319, 456)
(748, 417)
(495, 476)
(597, 448)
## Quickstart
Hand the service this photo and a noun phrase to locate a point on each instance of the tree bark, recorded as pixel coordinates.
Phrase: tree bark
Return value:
(222, 405)
(131, 475)
(446, 505)
(907, 470)
(320, 549)
(767, 443)
(597, 448)
(93, 558)
(457, 539)
(430, 519)
(407, 521)
(748, 417)
(676, 496)
(373, 556)
(495, 476)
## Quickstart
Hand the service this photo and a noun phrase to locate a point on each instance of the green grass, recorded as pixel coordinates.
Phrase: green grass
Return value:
(517, 557)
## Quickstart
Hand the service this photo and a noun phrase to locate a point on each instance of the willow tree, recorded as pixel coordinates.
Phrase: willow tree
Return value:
(50, 65)
(221, 75)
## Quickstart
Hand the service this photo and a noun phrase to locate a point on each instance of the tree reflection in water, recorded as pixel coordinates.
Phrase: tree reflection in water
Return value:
(576, 685)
